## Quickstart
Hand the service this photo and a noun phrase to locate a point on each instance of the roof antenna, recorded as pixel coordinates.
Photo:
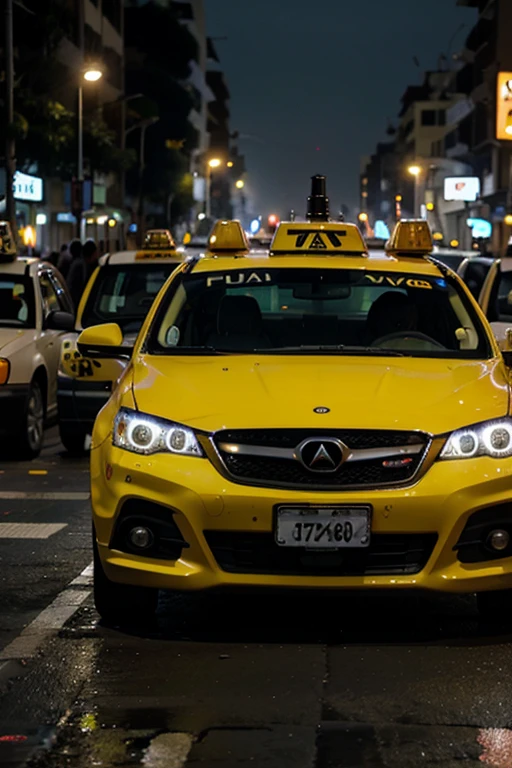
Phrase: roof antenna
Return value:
(318, 202)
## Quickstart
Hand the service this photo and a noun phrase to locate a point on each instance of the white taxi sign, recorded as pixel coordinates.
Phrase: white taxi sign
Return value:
(323, 238)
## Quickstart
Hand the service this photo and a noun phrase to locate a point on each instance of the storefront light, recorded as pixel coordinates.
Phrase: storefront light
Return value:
(41, 219)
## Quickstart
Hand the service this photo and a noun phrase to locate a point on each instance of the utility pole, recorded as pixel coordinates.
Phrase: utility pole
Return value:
(10, 146)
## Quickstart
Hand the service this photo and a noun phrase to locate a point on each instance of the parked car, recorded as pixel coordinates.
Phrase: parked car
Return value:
(121, 290)
(35, 312)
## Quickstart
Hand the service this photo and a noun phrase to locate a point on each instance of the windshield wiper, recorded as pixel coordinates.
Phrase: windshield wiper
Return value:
(332, 349)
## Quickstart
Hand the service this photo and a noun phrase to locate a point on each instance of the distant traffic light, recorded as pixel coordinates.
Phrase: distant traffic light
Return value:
(273, 221)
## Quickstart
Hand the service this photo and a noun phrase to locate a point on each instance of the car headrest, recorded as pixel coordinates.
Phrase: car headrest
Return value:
(238, 314)
(392, 312)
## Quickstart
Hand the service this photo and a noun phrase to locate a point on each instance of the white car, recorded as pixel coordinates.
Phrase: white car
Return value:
(35, 311)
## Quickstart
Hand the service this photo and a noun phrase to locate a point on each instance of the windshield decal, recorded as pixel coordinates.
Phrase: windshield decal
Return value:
(239, 278)
(396, 282)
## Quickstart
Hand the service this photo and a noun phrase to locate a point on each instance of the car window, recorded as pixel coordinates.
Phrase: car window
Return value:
(17, 308)
(475, 274)
(49, 294)
(124, 294)
(303, 309)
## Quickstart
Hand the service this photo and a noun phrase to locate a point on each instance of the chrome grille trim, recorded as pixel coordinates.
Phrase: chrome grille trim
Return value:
(365, 454)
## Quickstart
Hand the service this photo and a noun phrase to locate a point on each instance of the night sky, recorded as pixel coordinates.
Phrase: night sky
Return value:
(313, 82)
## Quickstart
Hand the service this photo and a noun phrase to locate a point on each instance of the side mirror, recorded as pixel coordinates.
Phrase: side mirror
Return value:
(103, 341)
(60, 321)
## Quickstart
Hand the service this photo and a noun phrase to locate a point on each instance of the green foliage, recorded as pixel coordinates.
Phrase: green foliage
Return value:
(45, 129)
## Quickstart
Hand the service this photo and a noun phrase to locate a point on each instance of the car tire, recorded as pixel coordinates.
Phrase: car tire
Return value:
(29, 441)
(73, 441)
(122, 604)
(495, 607)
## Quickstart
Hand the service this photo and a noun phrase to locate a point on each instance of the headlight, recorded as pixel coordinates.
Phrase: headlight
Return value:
(141, 433)
(492, 438)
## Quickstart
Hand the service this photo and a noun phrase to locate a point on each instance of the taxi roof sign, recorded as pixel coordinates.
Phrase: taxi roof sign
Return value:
(319, 237)
(411, 237)
(228, 237)
(159, 239)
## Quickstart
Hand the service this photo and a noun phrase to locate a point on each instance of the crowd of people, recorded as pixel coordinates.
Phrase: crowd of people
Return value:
(76, 262)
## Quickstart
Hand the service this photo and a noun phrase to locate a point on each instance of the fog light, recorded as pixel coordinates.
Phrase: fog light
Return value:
(141, 537)
(498, 540)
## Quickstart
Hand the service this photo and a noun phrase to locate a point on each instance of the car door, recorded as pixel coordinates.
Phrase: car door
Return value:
(53, 298)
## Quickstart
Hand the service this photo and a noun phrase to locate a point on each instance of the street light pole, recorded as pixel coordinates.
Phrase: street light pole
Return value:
(10, 147)
(143, 125)
(80, 134)
(207, 193)
(210, 165)
(415, 170)
(92, 74)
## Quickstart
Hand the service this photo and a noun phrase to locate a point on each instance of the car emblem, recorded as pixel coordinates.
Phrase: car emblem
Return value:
(322, 455)
(322, 409)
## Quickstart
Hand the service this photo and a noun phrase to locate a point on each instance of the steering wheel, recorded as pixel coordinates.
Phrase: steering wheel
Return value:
(407, 335)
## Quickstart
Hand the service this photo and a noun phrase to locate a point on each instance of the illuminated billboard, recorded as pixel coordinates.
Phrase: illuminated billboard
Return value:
(465, 188)
(504, 107)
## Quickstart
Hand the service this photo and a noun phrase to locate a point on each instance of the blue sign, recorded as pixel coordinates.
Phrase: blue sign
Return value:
(480, 228)
(254, 226)
(381, 230)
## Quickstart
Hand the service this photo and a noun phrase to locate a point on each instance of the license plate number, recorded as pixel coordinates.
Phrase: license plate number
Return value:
(323, 527)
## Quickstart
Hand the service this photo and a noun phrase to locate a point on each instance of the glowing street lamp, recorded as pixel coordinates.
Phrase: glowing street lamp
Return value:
(93, 74)
(240, 184)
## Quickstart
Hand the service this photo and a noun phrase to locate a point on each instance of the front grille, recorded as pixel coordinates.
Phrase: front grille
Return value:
(388, 554)
(357, 439)
(280, 472)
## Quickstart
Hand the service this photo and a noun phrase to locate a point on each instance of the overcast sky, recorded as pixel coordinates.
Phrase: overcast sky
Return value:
(312, 91)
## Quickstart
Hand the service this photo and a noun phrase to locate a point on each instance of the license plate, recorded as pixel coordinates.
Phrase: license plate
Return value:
(323, 527)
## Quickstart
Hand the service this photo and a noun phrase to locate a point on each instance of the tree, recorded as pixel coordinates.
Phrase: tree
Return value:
(45, 128)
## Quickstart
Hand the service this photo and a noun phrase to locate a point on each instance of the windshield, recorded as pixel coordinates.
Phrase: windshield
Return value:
(124, 293)
(301, 310)
(17, 309)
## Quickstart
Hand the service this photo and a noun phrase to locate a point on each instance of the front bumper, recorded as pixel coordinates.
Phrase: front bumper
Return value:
(201, 501)
(13, 400)
(79, 402)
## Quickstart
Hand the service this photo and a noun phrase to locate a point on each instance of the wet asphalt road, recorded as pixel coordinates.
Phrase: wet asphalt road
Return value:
(278, 681)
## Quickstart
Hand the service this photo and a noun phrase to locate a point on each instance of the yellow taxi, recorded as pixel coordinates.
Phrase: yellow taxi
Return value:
(121, 290)
(320, 417)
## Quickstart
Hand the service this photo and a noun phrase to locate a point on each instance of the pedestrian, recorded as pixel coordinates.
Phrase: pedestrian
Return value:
(68, 255)
(81, 269)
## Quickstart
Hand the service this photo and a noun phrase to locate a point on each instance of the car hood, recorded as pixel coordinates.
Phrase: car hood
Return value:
(11, 337)
(212, 393)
